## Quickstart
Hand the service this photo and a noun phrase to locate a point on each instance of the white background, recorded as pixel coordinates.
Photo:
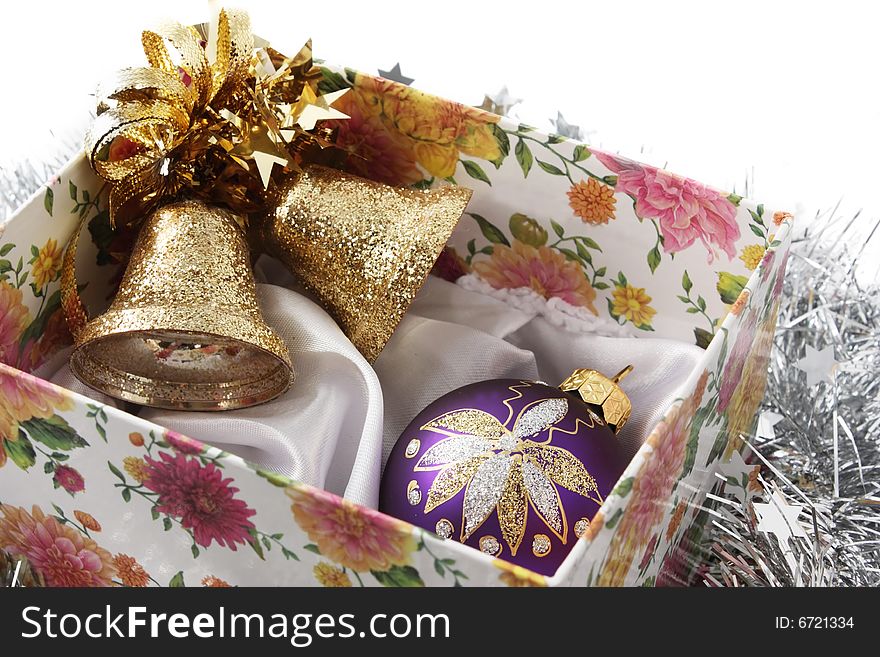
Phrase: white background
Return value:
(785, 95)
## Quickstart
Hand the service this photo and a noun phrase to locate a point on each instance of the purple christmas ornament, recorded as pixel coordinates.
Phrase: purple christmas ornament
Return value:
(513, 468)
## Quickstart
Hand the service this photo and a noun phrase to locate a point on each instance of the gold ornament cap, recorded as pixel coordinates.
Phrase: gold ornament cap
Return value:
(598, 390)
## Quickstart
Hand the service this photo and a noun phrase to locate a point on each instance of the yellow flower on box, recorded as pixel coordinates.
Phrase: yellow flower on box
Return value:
(519, 577)
(137, 468)
(751, 255)
(46, 264)
(331, 576)
(437, 130)
(632, 303)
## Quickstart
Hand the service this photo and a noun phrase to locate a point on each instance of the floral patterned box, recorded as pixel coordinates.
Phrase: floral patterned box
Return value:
(93, 496)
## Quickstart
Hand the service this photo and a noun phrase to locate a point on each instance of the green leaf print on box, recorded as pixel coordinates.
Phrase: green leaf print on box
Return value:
(31, 430)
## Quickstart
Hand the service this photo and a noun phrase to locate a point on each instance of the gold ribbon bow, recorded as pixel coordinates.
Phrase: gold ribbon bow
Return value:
(212, 130)
(157, 125)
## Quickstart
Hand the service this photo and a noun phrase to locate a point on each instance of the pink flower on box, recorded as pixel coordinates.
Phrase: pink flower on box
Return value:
(685, 209)
(766, 265)
(649, 552)
(355, 537)
(547, 272)
(780, 279)
(201, 498)
(651, 488)
(183, 444)
(376, 153)
(37, 350)
(736, 360)
(60, 553)
(69, 479)
(23, 397)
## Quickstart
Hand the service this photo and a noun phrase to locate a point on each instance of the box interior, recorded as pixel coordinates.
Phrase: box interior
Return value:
(336, 425)
(339, 420)
(590, 219)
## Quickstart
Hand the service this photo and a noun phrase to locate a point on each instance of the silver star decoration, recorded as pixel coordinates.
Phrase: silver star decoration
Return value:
(395, 75)
(766, 423)
(500, 103)
(566, 129)
(780, 518)
(738, 470)
(819, 365)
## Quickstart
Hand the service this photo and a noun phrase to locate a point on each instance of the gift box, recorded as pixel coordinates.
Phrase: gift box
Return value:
(590, 241)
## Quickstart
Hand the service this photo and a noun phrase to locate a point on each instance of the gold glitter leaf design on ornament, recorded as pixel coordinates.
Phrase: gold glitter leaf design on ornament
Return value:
(563, 468)
(451, 480)
(504, 471)
(468, 421)
(545, 500)
(512, 507)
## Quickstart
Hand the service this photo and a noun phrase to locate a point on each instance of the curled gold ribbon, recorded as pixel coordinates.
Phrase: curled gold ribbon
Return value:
(71, 303)
(156, 123)
(220, 131)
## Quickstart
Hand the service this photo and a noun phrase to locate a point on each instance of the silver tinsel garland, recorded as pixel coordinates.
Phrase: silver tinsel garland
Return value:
(21, 178)
(825, 454)
(825, 451)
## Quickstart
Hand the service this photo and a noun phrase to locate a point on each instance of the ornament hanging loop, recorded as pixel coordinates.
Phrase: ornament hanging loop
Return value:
(622, 374)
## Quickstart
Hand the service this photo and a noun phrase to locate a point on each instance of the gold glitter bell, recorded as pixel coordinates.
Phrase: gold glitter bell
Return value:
(185, 330)
(362, 247)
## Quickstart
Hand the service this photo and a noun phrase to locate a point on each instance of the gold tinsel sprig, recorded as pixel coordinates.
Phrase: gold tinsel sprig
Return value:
(222, 130)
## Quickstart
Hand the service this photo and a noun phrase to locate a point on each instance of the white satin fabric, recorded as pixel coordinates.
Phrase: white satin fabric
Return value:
(341, 417)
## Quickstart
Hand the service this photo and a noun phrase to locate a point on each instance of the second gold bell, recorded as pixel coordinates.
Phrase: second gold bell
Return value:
(363, 248)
